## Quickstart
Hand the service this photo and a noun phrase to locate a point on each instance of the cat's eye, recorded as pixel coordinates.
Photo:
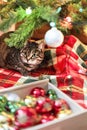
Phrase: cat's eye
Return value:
(34, 55)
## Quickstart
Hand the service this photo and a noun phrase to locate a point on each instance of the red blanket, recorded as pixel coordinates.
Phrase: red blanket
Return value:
(66, 69)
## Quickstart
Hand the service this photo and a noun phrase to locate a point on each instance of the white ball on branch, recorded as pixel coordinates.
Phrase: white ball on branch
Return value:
(54, 37)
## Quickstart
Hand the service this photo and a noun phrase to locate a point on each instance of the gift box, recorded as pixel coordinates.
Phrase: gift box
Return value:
(74, 121)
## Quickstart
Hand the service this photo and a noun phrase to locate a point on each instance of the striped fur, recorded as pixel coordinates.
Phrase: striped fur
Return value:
(23, 60)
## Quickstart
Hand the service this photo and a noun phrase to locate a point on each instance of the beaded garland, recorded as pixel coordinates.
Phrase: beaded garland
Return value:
(39, 107)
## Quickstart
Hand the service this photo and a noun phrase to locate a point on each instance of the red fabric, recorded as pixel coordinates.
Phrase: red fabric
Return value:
(8, 78)
(68, 63)
(67, 67)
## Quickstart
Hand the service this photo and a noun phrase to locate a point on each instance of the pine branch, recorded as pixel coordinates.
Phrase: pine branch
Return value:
(15, 4)
(53, 3)
(15, 17)
(77, 12)
(26, 3)
(4, 12)
(43, 11)
(38, 17)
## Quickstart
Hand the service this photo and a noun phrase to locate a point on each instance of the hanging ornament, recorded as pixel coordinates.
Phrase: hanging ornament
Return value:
(28, 10)
(66, 23)
(54, 37)
(81, 10)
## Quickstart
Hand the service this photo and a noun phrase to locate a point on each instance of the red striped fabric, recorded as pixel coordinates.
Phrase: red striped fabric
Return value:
(67, 69)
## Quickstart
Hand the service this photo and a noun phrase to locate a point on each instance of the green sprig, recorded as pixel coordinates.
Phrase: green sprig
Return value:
(38, 17)
(15, 17)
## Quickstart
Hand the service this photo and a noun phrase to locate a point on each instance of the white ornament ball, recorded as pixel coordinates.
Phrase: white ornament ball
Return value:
(12, 97)
(54, 37)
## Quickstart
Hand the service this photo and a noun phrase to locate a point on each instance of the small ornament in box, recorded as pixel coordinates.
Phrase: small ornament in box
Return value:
(34, 109)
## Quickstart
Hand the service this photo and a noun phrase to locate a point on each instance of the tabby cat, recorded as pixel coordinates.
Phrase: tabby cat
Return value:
(23, 60)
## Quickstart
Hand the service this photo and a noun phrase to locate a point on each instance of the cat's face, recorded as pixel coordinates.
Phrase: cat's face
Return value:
(32, 54)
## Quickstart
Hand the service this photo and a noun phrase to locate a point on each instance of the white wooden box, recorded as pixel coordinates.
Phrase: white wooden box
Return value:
(75, 121)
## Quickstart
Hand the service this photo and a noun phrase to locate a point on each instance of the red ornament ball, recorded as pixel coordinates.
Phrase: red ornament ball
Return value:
(37, 91)
(25, 117)
(60, 104)
(16, 128)
(44, 105)
(47, 117)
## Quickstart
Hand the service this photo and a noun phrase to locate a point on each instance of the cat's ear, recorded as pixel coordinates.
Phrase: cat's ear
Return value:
(29, 41)
(41, 45)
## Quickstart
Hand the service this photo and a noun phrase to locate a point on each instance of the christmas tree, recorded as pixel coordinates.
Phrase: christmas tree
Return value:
(33, 14)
